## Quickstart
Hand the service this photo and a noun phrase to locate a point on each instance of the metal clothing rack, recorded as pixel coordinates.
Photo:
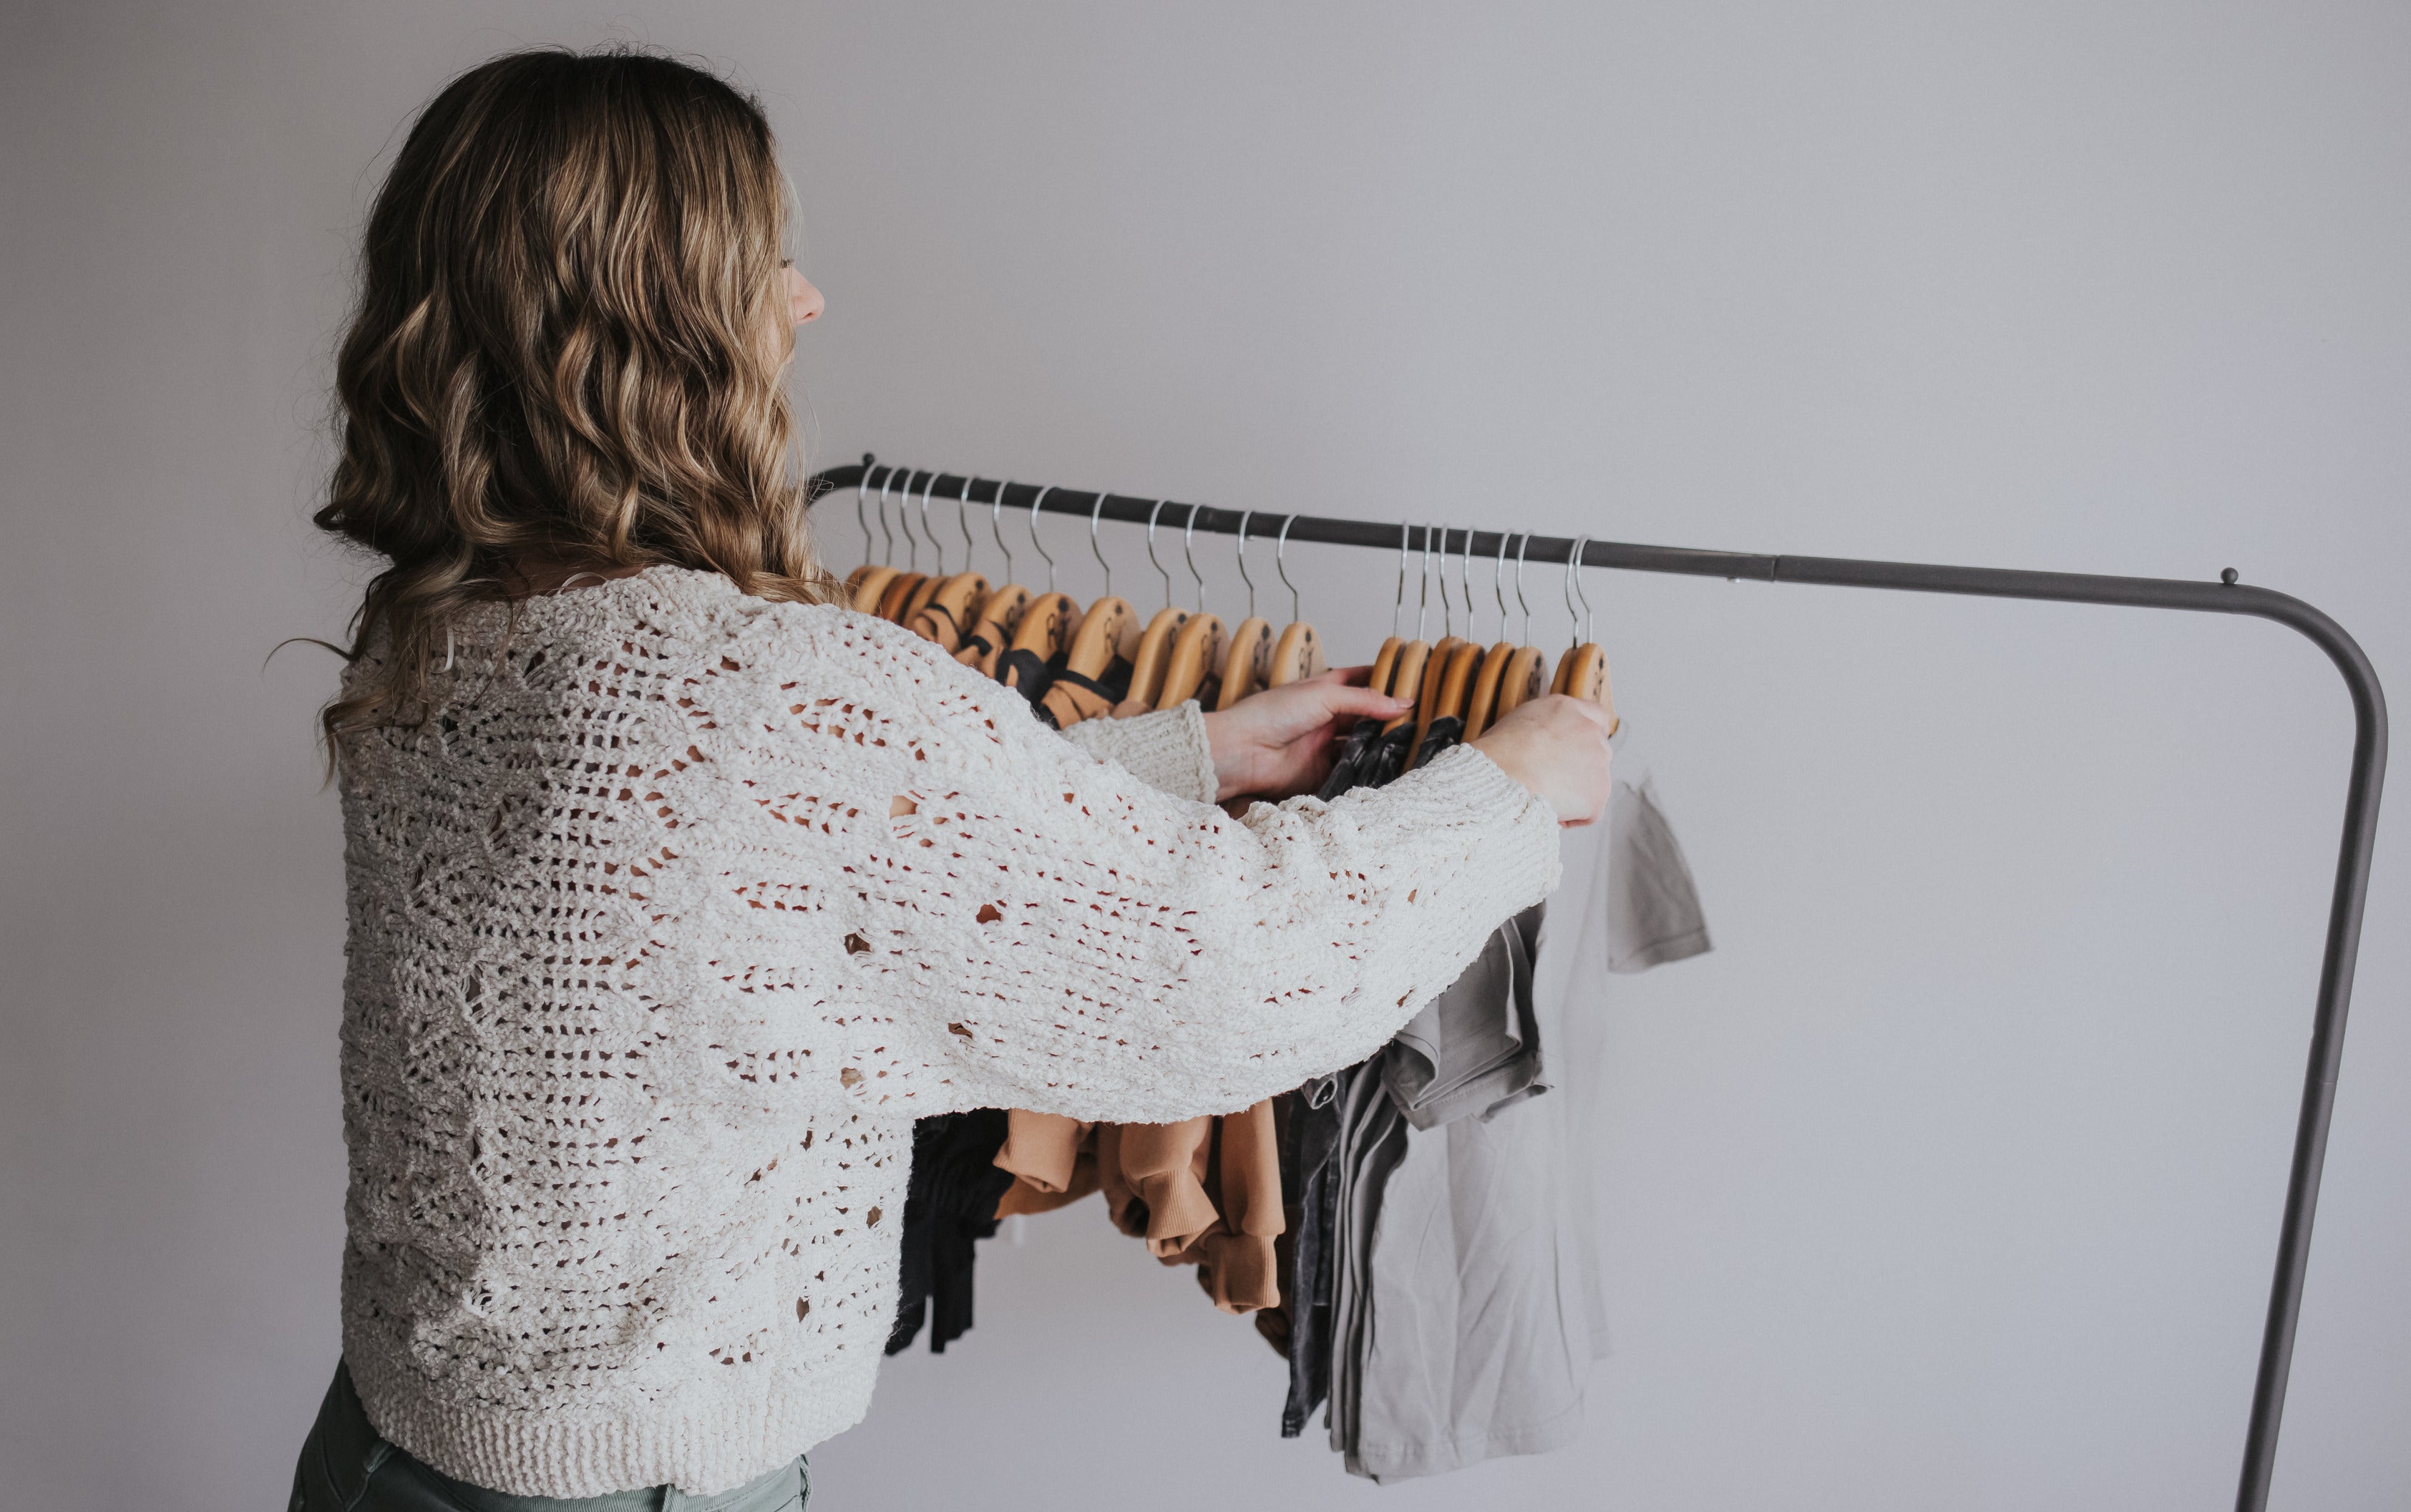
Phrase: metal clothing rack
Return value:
(2226, 596)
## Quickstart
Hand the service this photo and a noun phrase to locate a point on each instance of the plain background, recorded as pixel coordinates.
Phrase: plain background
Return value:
(1952, 1180)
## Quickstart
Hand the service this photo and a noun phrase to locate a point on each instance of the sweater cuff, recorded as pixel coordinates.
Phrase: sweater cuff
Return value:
(1462, 787)
(1166, 750)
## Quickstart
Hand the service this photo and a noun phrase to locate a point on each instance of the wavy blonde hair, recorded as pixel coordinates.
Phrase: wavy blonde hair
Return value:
(561, 354)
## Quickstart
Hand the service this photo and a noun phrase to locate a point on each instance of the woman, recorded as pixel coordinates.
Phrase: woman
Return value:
(677, 892)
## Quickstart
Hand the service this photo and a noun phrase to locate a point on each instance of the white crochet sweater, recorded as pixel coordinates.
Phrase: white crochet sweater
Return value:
(645, 988)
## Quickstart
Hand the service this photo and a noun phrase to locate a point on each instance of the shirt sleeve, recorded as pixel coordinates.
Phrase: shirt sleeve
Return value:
(1166, 750)
(1002, 921)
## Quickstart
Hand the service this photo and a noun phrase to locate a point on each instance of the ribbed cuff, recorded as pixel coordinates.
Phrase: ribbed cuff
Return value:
(1168, 750)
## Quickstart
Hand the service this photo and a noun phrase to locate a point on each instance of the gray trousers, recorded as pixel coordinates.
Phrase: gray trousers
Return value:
(345, 1467)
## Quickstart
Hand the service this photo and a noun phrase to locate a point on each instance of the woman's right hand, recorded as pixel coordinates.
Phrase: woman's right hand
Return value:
(1557, 746)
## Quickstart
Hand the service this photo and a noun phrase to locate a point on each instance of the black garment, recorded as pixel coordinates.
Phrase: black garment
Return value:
(1347, 770)
(1034, 675)
(949, 1203)
(1309, 1140)
(1387, 757)
(1446, 731)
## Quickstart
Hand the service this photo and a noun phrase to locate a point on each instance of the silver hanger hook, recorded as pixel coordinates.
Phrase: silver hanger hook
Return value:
(1447, 607)
(862, 491)
(1422, 581)
(1243, 563)
(1094, 550)
(1399, 604)
(1573, 560)
(904, 518)
(887, 556)
(1464, 580)
(1161, 571)
(995, 528)
(1499, 583)
(1034, 542)
(1188, 550)
(1574, 577)
(937, 547)
(1520, 546)
(963, 519)
(1280, 565)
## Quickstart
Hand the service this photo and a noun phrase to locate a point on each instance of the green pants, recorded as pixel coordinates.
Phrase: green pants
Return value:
(345, 1467)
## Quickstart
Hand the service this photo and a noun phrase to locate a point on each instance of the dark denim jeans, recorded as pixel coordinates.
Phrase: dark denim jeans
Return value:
(345, 1467)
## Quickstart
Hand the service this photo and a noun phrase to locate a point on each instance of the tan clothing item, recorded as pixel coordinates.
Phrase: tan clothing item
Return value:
(1053, 1160)
(1203, 1191)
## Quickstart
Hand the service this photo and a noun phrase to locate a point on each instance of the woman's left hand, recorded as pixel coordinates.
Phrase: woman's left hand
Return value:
(1277, 743)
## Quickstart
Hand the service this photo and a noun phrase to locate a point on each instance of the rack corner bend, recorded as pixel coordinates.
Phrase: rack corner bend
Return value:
(2366, 781)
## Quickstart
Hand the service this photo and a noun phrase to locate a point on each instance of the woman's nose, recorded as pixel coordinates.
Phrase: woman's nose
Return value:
(804, 302)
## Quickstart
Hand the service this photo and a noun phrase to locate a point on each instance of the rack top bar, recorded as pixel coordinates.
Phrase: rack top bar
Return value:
(2206, 596)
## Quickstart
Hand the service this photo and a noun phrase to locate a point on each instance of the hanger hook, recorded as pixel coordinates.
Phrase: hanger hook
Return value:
(1243, 563)
(963, 519)
(1422, 581)
(1573, 620)
(995, 528)
(1280, 564)
(1094, 550)
(1161, 571)
(1036, 543)
(904, 521)
(1399, 604)
(1499, 584)
(1522, 545)
(862, 491)
(1573, 563)
(937, 547)
(1188, 544)
(1464, 580)
(1447, 606)
(887, 556)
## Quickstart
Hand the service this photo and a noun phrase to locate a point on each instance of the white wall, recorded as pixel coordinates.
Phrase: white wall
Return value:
(1951, 1181)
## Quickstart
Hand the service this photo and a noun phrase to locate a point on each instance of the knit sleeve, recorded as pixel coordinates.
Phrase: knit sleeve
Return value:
(1166, 750)
(1002, 921)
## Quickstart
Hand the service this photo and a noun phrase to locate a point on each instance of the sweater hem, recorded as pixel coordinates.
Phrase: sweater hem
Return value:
(702, 1450)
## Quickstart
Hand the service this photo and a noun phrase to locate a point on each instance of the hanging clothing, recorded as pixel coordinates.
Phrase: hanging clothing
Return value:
(1470, 1305)
(949, 1203)
(1475, 1048)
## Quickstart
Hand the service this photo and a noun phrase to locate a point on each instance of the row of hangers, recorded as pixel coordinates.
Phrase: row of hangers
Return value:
(1074, 663)
(1458, 678)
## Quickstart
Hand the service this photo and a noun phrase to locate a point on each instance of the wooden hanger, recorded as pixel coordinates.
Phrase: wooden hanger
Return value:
(1196, 651)
(951, 611)
(1434, 679)
(1406, 680)
(1581, 672)
(1148, 662)
(1045, 629)
(1524, 679)
(872, 588)
(1457, 681)
(1296, 656)
(1108, 632)
(1482, 699)
(899, 593)
(1385, 663)
(999, 614)
(1246, 660)
(919, 598)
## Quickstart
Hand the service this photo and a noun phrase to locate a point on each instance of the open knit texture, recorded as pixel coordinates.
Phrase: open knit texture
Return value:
(679, 910)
